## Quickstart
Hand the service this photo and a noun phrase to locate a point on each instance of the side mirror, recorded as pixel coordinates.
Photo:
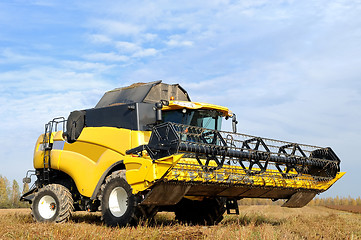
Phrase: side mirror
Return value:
(27, 180)
(234, 123)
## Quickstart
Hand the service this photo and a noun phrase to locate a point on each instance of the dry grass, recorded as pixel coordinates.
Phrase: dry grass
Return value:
(254, 222)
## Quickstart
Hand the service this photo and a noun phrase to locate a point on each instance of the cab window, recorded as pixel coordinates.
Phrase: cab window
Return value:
(210, 119)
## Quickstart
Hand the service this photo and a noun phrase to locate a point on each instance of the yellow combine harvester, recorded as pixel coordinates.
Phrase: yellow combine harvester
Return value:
(148, 148)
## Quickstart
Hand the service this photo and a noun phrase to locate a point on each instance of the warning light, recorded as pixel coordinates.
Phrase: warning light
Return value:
(171, 98)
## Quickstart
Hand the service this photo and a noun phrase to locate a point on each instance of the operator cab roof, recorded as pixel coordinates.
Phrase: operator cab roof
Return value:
(154, 92)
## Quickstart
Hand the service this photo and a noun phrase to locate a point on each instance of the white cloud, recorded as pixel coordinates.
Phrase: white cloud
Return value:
(145, 52)
(113, 27)
(48, 79)
(8, 55)
(150, 36)
(177, 41)
(127, 47)
(100, 38)
(86, 66)
(108, 57)
(128, 51)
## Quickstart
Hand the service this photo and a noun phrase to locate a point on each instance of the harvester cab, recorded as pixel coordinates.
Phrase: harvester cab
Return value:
(148, 148)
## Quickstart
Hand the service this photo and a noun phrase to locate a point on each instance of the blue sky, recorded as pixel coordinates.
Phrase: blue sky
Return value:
(289, 69)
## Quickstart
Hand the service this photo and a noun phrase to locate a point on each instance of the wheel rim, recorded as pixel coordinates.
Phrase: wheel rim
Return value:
(118, 201)
(47, 207)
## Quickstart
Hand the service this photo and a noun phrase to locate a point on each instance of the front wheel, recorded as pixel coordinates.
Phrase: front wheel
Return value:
(118, 204)
(52, 203)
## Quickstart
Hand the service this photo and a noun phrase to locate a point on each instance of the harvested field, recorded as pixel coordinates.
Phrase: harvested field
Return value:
(254, 222)
(347, 208)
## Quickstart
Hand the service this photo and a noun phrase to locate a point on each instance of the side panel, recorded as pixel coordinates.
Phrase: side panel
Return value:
(96, 149)
(139, 138)
(134, 116)
(120, 116)
(84, 171)
(143, 172)
(117, 139)
(86, 160)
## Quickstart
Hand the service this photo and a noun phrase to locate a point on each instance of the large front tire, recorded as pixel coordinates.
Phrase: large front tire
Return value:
(52, 203)
(118, 204)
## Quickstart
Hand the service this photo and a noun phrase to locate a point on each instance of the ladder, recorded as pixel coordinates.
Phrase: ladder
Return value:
(48, 145)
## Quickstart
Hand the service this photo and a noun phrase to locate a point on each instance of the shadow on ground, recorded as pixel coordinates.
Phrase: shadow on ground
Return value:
(84, 217)
(167, 219)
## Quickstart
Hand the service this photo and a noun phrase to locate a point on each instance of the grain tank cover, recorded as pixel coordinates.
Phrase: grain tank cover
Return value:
(143, 93)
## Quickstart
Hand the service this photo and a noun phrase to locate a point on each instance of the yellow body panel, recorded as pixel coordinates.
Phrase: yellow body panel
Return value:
(91, 155)
(142, 172)
(84, 171)
(139, 138)
(116, 139)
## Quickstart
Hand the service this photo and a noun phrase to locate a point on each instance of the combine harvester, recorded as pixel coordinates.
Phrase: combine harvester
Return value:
(148, 148)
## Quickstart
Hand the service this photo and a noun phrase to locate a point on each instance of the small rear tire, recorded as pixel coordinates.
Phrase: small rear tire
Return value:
(52, 203)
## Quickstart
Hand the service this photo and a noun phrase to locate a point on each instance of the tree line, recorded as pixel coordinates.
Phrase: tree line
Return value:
(10, 194)
(336, 201)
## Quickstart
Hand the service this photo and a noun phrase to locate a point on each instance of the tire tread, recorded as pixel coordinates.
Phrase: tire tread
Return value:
(66, 206)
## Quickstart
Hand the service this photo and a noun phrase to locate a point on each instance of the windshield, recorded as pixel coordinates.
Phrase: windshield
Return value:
(209, 119)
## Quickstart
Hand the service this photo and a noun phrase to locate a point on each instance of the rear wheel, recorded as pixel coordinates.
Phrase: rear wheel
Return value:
(118, 203)
(52, 203)
(206, 212)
